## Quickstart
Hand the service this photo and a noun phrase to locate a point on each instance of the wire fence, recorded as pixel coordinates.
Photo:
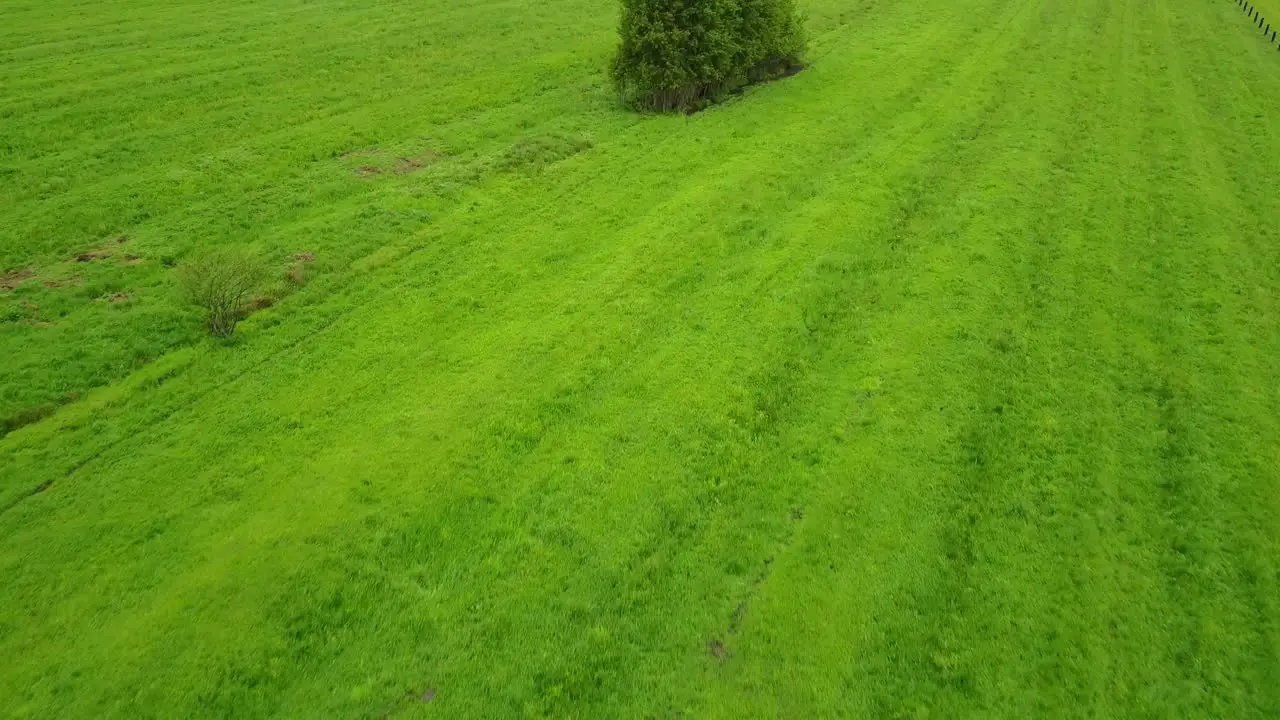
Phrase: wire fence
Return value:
(1268, 32)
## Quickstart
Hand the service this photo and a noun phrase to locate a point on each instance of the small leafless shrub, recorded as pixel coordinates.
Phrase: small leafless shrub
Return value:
(221, 284)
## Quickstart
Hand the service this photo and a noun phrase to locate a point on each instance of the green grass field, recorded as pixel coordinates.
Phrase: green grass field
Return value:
(938, 380)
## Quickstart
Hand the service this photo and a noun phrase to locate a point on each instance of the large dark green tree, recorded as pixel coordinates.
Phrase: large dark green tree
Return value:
(683, 54)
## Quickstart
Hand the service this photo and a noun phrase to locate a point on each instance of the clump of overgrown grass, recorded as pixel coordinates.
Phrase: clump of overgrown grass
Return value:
(221, 284)
(536, 153)
(685, 54)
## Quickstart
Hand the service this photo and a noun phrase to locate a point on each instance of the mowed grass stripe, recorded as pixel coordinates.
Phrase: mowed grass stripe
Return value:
(930, 665)
(1241, 228)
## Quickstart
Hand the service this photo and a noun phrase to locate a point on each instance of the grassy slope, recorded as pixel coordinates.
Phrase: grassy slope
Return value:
(183, 126)
(939, 378)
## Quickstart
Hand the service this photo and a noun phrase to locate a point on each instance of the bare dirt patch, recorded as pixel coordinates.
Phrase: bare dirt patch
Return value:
(262, 302)
(13, 278)
(93, 256)
(718, 650)
(297, 274)
(55, 283)
(406, 165)
(104, 251)
(26, 417)
(374, 162)
(398, 705)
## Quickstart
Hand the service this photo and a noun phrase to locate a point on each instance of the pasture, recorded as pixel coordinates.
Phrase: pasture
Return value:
(937, 380)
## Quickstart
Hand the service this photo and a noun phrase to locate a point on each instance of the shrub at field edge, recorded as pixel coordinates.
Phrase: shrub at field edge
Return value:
(685, 54)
